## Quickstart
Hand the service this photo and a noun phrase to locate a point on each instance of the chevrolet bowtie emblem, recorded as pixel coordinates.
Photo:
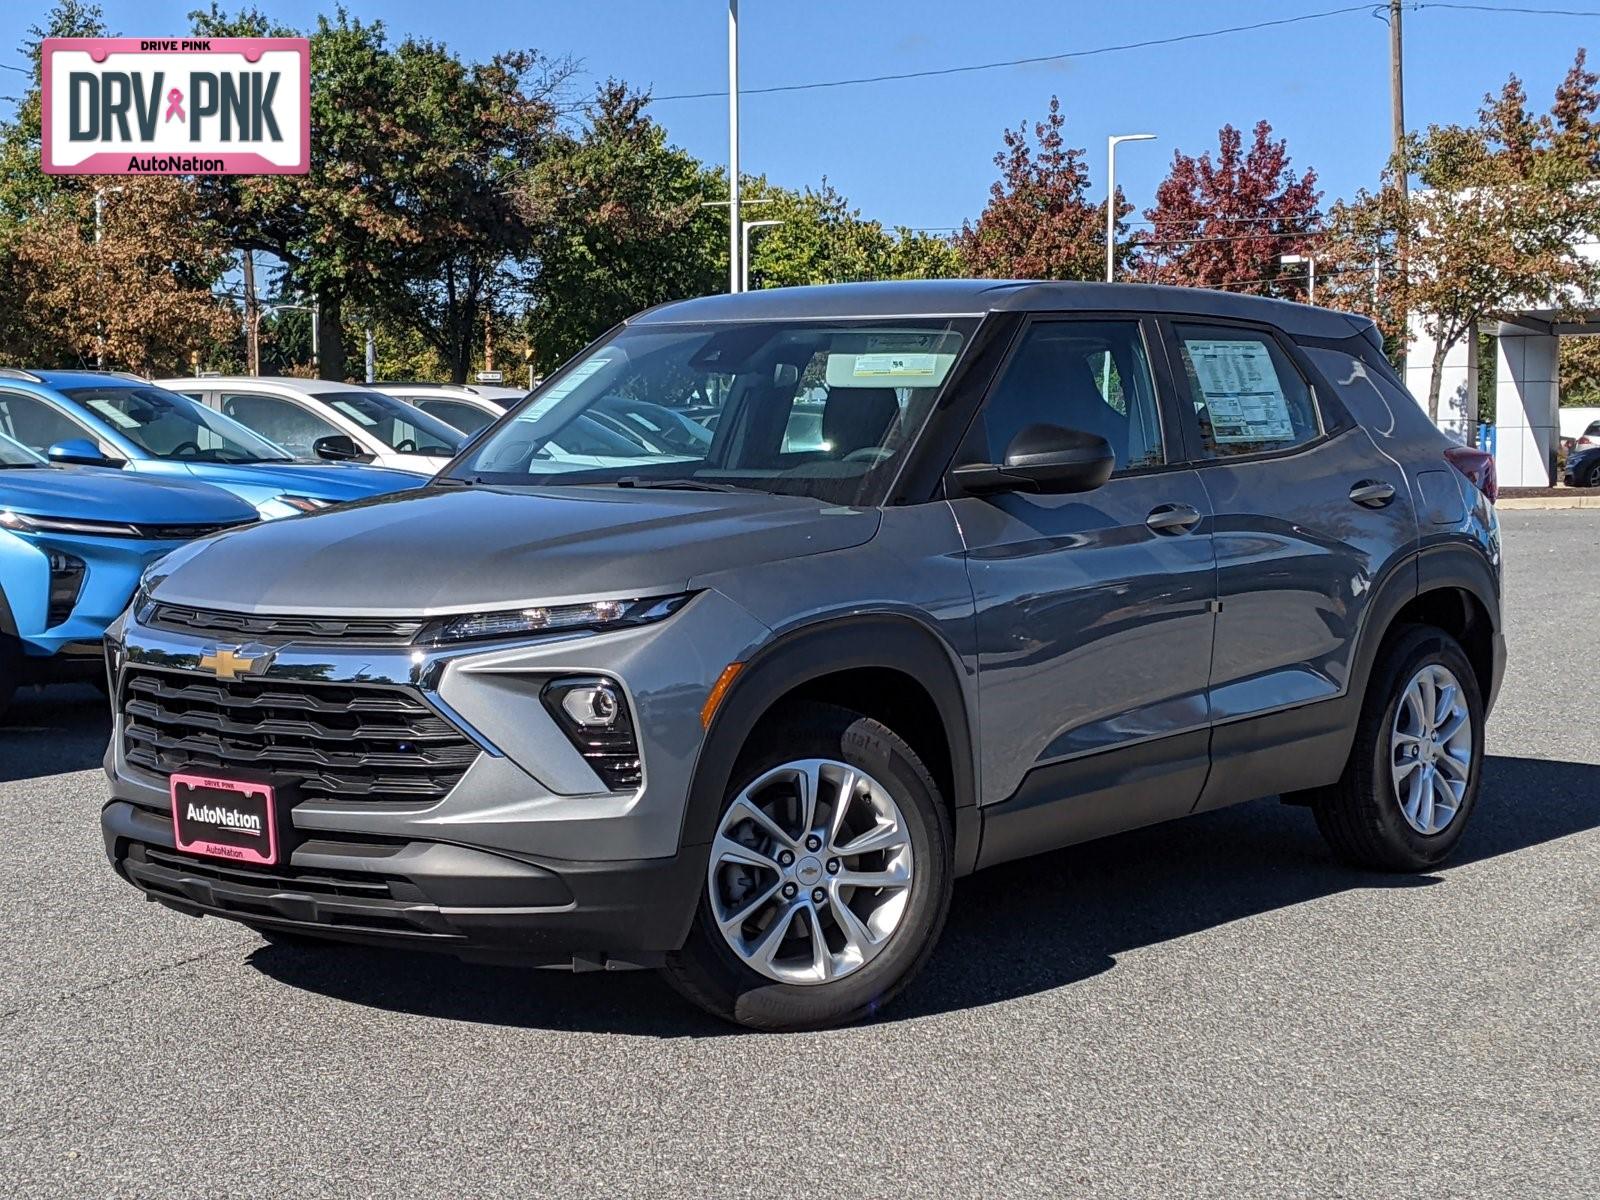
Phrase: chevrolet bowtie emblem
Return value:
(227, 664)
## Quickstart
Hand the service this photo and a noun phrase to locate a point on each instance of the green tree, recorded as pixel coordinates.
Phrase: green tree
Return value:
(1495, 226)
(409, 211)
(618, 224)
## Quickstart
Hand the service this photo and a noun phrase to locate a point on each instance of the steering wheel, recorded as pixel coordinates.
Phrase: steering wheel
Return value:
(409, 446)
(869, 454)
(185, 448)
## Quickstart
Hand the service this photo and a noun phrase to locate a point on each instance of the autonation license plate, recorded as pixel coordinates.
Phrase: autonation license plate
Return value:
(225, 818)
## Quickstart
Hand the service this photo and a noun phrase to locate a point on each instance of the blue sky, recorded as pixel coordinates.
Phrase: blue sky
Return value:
(919, 152)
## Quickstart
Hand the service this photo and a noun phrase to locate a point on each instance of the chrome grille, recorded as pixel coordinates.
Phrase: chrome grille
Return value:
(247, 626)
(368, 743)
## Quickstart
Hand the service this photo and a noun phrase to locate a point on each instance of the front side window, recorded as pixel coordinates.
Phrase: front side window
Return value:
(1248, 396)
(826, 409)
(37, 423)
(281, 421)
(399, 426)
(167, 425)
(456, 413)
(15, 454)
(1091, 376)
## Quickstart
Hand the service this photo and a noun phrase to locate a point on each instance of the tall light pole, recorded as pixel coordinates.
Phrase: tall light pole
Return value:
(744, 256)
(1310, 263)
(99, 231)
(1111, 195)
(734, 274)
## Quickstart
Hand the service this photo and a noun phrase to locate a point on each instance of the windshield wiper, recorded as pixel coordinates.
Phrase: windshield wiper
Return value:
(680, 485)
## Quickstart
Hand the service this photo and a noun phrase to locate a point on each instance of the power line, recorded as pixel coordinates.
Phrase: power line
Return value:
(1018, 62)
(1517, 9)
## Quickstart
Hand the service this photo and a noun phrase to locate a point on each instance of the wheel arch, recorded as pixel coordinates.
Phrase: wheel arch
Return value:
(885, 665)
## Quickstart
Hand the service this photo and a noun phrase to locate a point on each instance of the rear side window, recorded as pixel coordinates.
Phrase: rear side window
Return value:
(1248, 396)
(1086, 375)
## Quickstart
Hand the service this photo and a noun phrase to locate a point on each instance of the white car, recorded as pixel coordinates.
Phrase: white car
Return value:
(325, 419)
(469, 407)
(592, 439)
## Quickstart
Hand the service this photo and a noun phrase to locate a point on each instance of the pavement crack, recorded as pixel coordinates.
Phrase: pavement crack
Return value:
(77, 994)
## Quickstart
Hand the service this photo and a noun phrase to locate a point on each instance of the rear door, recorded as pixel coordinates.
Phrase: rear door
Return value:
(1309, 515)
(1094, 611)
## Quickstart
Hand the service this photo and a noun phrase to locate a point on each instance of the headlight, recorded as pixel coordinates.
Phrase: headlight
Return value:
(32, 523)
(289, 506)
(596, 615)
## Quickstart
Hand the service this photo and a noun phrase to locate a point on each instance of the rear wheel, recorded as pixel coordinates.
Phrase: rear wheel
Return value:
(1416, 766)
(828, 878)
(1591, 475)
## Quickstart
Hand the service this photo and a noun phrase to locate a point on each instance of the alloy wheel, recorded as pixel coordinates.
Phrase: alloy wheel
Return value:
(1431, 749)
(810, 872)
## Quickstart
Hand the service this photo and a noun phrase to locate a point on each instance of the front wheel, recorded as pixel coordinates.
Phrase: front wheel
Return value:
(828, 878)
(1591, 477)
(1417, 763)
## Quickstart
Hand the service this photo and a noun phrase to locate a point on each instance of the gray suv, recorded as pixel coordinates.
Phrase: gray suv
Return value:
(964, 571)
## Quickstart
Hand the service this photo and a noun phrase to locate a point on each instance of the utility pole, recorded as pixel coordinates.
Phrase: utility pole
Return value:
(1397, 114)
(252, 315)
(734, 273)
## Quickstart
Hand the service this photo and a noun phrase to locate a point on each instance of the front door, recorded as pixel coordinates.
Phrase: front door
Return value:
(1094, 611)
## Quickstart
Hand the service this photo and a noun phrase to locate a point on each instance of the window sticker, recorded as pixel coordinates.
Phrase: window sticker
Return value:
(1243, 396)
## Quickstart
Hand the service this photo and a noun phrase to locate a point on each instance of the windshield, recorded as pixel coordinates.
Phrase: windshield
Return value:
(15, 454)
(168, 425)
(799, 408)
(398, 425)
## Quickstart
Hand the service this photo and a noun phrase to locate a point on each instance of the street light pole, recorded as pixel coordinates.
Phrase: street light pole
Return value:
(734, 274)
(744, 256)
(99, 231)
(1111, 195)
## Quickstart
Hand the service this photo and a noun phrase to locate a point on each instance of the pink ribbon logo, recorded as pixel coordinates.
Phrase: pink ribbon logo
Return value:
(175, 106)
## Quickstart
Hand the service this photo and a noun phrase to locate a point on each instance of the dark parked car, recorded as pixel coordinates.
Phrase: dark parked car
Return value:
(1062, 560)
(1583, 467)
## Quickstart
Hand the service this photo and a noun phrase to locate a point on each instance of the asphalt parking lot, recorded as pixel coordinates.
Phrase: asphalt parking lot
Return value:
(1212, 1008)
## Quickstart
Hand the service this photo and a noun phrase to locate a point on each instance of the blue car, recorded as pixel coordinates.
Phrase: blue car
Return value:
(97, 418)
(73, 542)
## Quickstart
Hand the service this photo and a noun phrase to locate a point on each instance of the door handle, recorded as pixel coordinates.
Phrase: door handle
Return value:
(1372, 493)
(1172, 518)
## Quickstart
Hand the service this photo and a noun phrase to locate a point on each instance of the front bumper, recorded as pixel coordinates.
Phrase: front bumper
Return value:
(526, 857)
(424, 895)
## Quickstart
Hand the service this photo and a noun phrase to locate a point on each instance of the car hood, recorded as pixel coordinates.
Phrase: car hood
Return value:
(336, 482)
(446, 550)
(107, 494)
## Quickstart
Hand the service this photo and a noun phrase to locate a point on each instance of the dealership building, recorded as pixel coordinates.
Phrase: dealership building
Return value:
(1529, 422)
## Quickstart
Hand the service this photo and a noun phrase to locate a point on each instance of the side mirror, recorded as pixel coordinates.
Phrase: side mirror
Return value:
(1046, 459)
(81, 451)
(337, 447)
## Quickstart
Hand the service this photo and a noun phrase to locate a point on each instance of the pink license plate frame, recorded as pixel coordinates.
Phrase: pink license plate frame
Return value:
(201, 805)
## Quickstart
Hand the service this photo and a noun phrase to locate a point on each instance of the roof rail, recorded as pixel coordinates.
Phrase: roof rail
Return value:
(19, 373)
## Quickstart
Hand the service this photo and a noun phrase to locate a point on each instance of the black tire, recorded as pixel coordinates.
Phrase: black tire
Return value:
(1591, 477)
(709, 974)
(10, 670)
(1360, 816)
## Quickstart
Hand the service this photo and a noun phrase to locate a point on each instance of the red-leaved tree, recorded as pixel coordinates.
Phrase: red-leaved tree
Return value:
(1037, 224)
(1225, 223)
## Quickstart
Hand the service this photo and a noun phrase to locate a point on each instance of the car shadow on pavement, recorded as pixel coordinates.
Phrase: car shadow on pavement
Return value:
(1013, 931)
(54, 730)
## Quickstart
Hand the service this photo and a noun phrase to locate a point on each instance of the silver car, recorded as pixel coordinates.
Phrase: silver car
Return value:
(1057, 560)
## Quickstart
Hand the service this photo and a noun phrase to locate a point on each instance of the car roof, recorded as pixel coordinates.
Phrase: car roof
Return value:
(86, 378)
(287, 382)
(977, 297)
